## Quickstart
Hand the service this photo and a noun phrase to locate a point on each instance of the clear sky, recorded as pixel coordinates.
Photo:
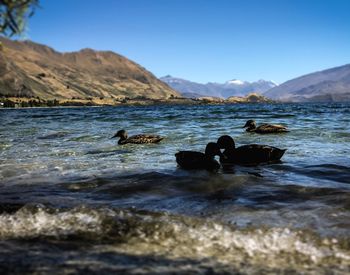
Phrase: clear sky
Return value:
(204, 40)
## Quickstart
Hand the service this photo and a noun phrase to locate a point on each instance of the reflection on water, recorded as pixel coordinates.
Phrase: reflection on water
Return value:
(78, 201)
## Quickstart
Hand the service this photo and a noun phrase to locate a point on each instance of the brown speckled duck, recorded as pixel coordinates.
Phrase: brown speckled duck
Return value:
(247, 155)
(264, 128)
(198, 160)
(136, 139)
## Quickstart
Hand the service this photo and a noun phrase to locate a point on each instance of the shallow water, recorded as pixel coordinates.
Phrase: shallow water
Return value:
(72, 200)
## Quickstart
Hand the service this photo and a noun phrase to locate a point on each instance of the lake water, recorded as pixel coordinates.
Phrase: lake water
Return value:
(73, 200)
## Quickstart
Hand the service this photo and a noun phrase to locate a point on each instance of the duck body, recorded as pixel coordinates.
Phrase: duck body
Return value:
(141, 139)
(252, 155)
(198, 160)
(136, 139)
(248, 155)
(195, 160)
(264, 128)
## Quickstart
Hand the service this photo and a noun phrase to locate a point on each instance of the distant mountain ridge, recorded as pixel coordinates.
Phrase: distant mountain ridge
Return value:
(28, 69)
(331, 85)
(225, 90)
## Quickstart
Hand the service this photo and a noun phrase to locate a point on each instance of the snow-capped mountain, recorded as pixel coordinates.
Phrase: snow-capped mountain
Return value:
(234, 87)
(236, 82)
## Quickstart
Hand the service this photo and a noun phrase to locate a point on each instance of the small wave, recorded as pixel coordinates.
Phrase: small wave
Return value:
(46, 115)
(280, 116)
(33, 221)
(54, 135)
(85, 138)
(342, 135)
(108, 151)
(332, 172)
(171, 117)
(4, 146)
(142, 232)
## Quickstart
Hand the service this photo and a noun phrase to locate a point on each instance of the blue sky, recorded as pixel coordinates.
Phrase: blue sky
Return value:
(204, 41)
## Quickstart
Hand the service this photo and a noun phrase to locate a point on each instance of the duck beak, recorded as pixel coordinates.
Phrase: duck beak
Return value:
(114, 136)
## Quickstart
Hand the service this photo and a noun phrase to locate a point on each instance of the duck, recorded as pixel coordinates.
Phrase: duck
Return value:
(264, 128)
(198, 160)
(247, 155)
(136, 139)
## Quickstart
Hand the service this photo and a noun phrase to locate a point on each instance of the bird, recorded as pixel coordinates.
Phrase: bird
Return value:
(136, 139)
(247, 155)
(198, 160)
(264, 128)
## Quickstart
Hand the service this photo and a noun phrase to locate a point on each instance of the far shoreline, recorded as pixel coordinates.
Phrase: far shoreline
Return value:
(36, 102)
(163, 104)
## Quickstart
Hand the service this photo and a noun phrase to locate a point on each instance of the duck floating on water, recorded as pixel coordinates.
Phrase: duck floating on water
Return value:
(247, 155)
(264, 128)
(198, 160)
(136, 139)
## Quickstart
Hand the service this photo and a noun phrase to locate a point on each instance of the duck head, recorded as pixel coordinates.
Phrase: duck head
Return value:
(213, 150)
(226, 142)
(121, 134)
(250, 124)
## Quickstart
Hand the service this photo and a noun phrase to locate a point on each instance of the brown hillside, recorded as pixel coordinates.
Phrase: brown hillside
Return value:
(250, 98)
(30, 69)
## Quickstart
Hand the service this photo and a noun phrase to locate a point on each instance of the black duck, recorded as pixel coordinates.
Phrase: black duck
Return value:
(198, 160)
(247, 155)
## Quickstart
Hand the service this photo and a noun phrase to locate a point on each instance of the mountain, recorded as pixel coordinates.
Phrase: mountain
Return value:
(28, 69)
(233, 87)
(323, 86)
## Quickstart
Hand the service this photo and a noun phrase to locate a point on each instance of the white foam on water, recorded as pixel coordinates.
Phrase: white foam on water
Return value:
(27, 223)
(175, 236)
